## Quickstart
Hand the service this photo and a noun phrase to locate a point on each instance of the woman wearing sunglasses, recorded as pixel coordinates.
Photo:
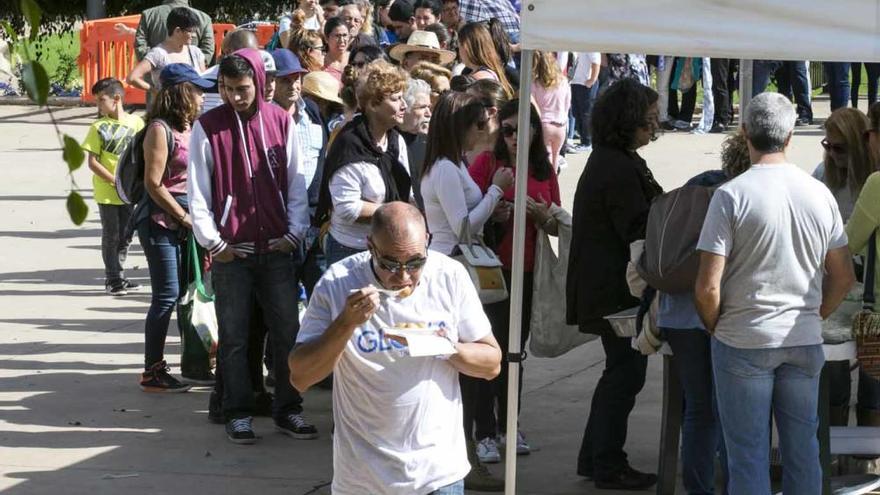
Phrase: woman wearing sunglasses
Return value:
(610, 211)
(543, 190)
(846, 163)
(846, 169)
(453, 201)
(308, 45)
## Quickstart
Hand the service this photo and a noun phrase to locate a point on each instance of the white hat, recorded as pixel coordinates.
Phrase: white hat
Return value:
(422, 41)
(268, 62)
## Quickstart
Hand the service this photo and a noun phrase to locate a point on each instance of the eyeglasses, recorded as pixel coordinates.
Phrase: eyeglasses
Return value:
(340, 36)
(508, 131)
(834, 148)
(396, 267)
(322, 48)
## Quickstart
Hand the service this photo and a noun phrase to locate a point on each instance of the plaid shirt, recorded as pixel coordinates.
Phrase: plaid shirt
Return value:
(483, 10)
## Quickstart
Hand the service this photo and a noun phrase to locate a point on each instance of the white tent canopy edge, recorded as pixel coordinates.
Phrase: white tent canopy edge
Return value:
(842, 30)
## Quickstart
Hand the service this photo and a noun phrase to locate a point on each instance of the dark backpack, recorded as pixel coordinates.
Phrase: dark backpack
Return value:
(670, 260)
(131, 164)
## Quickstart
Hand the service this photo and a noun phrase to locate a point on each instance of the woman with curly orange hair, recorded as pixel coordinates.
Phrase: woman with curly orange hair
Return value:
(367, 165)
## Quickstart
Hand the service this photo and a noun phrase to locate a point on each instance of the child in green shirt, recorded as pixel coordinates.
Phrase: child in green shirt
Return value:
(107, 138)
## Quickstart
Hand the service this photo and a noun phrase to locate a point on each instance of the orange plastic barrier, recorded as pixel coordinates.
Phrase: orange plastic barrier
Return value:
(106, 53)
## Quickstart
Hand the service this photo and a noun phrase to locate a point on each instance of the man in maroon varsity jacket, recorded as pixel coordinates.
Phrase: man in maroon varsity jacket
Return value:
(249, 207)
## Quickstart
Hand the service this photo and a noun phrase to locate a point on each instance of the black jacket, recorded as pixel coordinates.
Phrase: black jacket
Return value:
(610, 211)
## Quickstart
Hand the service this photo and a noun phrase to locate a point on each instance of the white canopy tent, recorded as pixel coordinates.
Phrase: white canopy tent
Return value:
(840, 30)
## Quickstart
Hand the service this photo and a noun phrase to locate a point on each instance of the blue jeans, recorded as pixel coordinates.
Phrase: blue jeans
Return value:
(749, 383)
(701, 430)
(582, 99)
(456, 488)
(162, 249)
(837, 74)
(762, 70)
(272, 279)
(334, 251)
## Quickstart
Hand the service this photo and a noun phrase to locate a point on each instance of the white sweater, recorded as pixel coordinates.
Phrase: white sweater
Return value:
(350, 187)
(451, 196)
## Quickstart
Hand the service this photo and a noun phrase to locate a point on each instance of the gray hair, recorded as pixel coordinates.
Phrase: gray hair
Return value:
(414, 88)
(769, 121)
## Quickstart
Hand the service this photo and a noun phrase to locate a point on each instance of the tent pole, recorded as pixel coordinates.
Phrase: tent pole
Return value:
(746, 78)
(516, 292)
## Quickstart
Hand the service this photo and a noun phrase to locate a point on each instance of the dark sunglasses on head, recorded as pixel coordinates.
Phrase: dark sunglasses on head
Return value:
(508, 131)
(834, 148)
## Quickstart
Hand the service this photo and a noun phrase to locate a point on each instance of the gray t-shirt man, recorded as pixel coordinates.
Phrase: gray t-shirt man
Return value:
(774, 224)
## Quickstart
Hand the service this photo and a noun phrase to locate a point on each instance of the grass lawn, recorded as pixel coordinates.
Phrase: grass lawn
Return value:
(58, 53)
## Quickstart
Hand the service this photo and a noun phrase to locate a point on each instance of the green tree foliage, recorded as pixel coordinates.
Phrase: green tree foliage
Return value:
(36, 84)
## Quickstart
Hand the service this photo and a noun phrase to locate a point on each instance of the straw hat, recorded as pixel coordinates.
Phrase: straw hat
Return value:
(422, 41)
(322, 85)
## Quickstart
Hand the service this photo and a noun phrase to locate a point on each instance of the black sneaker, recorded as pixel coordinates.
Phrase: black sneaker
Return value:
(627, 479)
(296, 426)
(204, 379)
(116, 289)
(241, 431)
(131, 286)
(157, 379)
(718, 128)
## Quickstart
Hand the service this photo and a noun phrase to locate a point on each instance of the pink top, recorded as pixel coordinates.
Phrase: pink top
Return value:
(175, 174)
(481, 171)
(553, 103)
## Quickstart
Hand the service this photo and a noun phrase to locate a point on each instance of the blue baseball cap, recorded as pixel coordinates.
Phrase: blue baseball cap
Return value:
(180, 73)
(287, 63)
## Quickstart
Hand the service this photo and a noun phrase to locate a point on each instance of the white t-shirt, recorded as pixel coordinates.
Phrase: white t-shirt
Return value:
(398, 419)
(349, 187)
(774, 224)
(158, 57)
(583, 67)
(450, 195)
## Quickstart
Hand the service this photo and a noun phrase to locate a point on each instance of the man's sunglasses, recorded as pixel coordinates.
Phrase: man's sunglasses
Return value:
(396, 267)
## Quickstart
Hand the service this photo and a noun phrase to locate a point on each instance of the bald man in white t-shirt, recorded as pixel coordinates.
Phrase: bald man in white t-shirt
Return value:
(397, 411)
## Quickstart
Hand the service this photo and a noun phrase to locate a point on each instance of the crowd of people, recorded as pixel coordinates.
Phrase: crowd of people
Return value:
(351, 159)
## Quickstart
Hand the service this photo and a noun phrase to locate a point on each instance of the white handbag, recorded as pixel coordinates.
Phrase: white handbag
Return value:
(482, 265)
(551, 336)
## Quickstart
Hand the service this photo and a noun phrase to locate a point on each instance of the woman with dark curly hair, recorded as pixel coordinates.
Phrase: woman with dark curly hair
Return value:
(610, 210)
(165, 221)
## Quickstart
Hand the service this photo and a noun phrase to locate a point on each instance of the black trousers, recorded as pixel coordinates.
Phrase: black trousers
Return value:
(601, 454)
(480, 398)
(688, 100)
(721, 92)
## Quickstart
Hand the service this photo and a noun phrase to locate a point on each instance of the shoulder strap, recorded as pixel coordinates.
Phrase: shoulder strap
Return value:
(868, 295)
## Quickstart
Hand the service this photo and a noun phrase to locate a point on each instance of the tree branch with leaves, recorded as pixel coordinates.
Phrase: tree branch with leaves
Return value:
(36, 84)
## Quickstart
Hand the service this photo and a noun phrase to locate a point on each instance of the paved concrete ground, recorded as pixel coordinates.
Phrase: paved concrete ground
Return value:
(73, 421)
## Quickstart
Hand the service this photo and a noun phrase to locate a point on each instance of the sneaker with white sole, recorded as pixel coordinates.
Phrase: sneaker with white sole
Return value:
(487, 451)
(296, 426)
(241, 431)
(522, 447)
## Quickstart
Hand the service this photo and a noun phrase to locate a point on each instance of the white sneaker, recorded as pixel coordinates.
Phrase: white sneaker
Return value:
(487, 451)
(522, 447)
